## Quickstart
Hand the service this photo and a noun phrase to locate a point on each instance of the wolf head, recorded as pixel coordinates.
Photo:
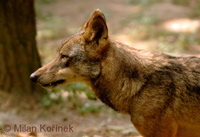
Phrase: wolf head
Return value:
(79, 57)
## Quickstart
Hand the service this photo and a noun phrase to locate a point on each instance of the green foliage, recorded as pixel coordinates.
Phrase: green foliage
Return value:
(143, 2)
(1, 128)
(38, 9)
(46, 1)
(148, 29)
(90, 95)
(176, 42)
(181, 2)
(77, 93)
(49, 26)
(194, 4)
(147, 20)
(51, 97)
(76, 88)
(196, 11)
(88, 108)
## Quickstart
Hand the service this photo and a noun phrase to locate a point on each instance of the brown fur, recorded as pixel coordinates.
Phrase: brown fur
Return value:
(160, 92)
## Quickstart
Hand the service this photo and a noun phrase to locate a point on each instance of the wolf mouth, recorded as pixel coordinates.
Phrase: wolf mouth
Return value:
(54, 83)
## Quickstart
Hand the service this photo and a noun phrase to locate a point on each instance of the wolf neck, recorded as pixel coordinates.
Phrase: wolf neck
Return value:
(121, 77)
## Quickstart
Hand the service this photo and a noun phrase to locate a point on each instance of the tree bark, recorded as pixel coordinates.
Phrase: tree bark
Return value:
(18, 51)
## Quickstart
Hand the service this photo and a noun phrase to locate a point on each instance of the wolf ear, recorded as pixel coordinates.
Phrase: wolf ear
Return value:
(95, 29)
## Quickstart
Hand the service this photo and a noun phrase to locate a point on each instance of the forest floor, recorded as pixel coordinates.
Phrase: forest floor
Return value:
(161, 25)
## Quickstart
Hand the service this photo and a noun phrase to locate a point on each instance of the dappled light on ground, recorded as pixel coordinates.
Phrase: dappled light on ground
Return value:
(183, 25)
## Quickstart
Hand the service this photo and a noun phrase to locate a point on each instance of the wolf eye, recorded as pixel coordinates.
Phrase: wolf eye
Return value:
(65, 60)
(64, 56)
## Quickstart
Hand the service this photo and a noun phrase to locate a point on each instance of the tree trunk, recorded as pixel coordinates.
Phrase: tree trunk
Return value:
(18, 51)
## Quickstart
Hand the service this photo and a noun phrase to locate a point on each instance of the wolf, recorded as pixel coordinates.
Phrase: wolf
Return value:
(161, 93)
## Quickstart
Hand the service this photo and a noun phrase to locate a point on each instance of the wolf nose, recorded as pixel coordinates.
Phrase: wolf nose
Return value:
(34, 77)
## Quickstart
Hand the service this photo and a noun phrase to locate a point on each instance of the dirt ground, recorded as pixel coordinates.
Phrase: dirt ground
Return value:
(57, 20)
(17, 121)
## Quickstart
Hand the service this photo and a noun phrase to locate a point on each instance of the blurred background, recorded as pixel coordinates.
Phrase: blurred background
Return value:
(169, 26)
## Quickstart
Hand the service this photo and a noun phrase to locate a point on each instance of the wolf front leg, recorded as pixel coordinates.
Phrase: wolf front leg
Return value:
(153, 127)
